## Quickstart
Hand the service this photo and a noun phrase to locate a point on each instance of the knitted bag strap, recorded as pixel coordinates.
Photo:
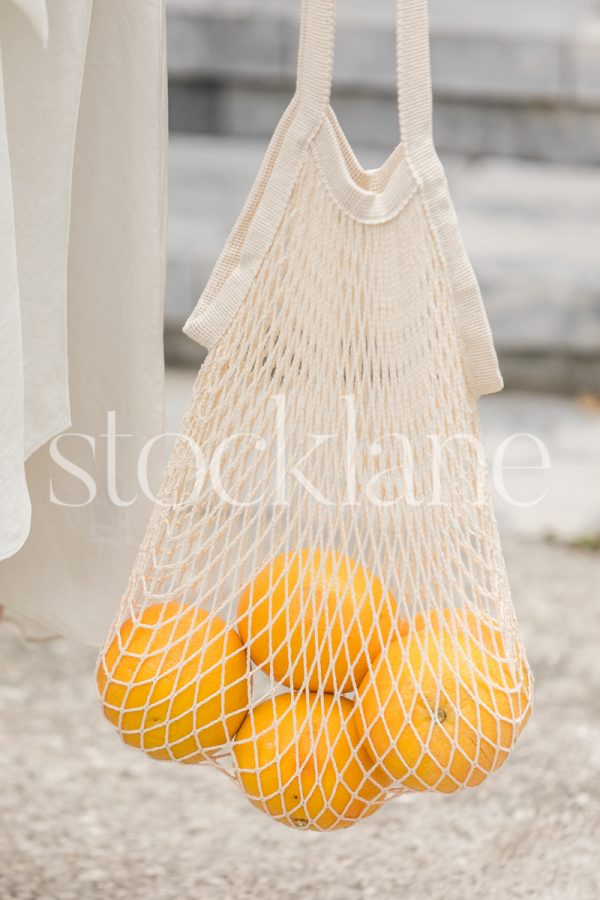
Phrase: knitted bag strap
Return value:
(315, 68)
(315, 73)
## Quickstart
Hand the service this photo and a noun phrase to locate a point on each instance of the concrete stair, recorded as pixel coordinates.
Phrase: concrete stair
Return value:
(510, 78)
(532, 230)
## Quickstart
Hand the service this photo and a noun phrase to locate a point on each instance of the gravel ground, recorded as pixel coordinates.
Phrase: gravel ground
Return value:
(83, 817)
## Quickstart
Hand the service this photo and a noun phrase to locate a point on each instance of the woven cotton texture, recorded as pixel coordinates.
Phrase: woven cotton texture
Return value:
(320, 606)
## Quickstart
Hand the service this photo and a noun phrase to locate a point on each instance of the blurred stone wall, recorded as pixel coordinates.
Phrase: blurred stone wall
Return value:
(515, 77)
(517, 119)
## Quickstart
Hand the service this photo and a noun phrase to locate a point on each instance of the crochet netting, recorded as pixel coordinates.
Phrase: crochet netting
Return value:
(349, 330)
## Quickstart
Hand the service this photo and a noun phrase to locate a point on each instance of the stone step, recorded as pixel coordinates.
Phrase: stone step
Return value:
(509, 78)
(532, 231)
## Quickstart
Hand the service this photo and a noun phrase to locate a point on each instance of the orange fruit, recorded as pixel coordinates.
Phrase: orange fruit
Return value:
(174, 681)
(441, 708)
(314, 619)
(460, 617)
(299, 759)
(486, 648)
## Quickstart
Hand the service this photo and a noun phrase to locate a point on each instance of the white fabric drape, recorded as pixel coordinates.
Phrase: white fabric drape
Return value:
(82, 218)
(40, 103)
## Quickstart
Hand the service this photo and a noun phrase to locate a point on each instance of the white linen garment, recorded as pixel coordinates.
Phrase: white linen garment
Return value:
(83, 131)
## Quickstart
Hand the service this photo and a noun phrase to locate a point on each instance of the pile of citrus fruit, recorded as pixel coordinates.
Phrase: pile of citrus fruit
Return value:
(362, 703)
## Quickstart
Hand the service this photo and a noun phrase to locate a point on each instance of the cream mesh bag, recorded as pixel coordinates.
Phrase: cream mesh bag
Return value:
(320, 606)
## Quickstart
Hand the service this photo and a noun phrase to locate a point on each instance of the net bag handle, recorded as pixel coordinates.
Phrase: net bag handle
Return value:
(413, 68)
